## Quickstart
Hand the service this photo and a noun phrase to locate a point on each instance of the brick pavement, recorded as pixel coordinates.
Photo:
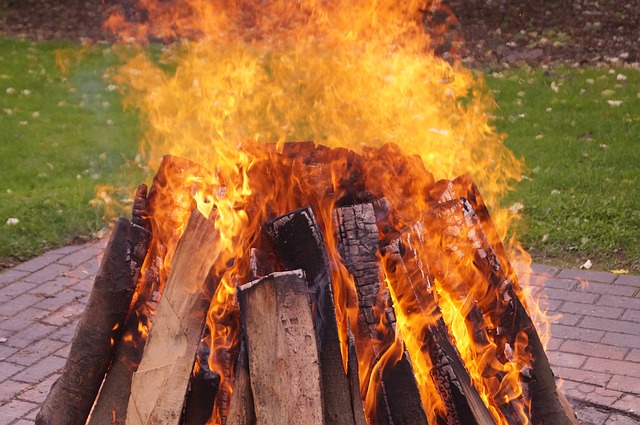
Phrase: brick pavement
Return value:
(595, 347)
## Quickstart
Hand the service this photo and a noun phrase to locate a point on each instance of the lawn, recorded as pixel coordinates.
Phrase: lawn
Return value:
(63, 132)
(61, 135)
(578, 130)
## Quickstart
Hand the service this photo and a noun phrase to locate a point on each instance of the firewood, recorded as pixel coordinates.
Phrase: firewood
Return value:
(413, 288)
(73, 394)
(203, 387)
(241, 410)
(282, 349)
(399, 397)
(354, 381)
(299, 244)
(160, 383)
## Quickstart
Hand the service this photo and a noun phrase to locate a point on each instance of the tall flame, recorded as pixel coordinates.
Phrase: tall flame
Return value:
(351, 74)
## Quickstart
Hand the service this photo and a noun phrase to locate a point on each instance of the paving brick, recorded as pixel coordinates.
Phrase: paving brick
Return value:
(81, 256)
(589, 276)
(65, 250)
(592, 310)
(60, 299)
(618, 419)
(47, 274)
(540, 269)
(36, 351)
(49, 289)
(568, 319)
(64, 351)
(612, 366)
(16, 409)
(18, 304)
(19, 287)
(8, 370)
(623, 302)
(84, 285)
(64, 333)
(610, 289)
(572, 332)
(38, 263)
(628, 403)
(591, 415)
(11, 275)
(621, 340)
(627, 279)
(590, 393)
(610, 325)
(627, 384)
(23, 319)
(580, 375)
(67, 314)
(593, 349)
(576, 296)
(39, 371)
(6, 351)
(38, 392)
(631, 315)
(551, 282)
(634, 356)
(554, 344)
(27, 336)
(558, 358)
(9, 389)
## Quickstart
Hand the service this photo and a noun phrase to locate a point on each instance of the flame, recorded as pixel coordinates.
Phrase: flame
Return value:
(243, 79)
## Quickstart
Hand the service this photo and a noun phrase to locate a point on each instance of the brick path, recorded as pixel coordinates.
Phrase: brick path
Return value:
(595, 346)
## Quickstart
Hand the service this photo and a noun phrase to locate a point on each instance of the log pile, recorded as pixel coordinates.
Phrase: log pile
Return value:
(340, 313)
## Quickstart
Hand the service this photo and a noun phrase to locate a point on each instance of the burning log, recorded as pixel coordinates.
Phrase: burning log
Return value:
(358, 246)
(160, 383)
(282, 349)
(241, 410)
(203, 388)
(298, 242)
(73, 394)
(414, 291)
(354, 380)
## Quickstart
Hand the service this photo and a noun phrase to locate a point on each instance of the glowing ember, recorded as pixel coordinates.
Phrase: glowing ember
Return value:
(359, 79)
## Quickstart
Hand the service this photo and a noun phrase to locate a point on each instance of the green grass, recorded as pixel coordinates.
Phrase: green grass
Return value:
(60, 136)
(581, 189)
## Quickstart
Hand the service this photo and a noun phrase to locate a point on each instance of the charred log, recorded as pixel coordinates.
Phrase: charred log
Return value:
(73, 394)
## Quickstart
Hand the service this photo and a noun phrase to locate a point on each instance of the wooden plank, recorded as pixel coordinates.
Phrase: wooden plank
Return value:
(299, 244)
(398, 398)
(241, 410)
(282, 349)
(160, 383)
(73, 394)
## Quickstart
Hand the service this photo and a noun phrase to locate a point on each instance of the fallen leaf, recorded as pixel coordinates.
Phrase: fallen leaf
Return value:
(12, 221)
(587, 265)
(555, 192)
(621, 77)
(619, 271)
(614, 102)
(517, 207)
(555, 87)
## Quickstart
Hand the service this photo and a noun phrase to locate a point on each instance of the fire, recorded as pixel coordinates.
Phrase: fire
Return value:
(245, 79)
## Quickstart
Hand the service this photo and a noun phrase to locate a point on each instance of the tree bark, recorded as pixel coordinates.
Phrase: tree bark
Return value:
(282, 350)
(160, 383)
(73, 394)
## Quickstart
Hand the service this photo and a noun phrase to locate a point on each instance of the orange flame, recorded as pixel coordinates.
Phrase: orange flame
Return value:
(346, 74)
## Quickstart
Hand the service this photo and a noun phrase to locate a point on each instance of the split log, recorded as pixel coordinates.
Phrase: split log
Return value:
(354, 381)
(73, 394)
(241, 410)
(413, 289)
(160, 383)
(399, 398)
(299, 244)
(282, 349)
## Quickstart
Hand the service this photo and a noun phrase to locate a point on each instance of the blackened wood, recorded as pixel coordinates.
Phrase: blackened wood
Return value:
(113, 400)
(412, 285)
(160, 383)
(299, 244)
(241, 410)
(282, 349)
(358, 241)
(354, 382)
(73, 394)
(140, 209)
(203, 388)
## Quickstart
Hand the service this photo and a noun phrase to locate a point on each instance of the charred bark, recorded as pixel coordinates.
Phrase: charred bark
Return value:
(73, 394)
(399, 397)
